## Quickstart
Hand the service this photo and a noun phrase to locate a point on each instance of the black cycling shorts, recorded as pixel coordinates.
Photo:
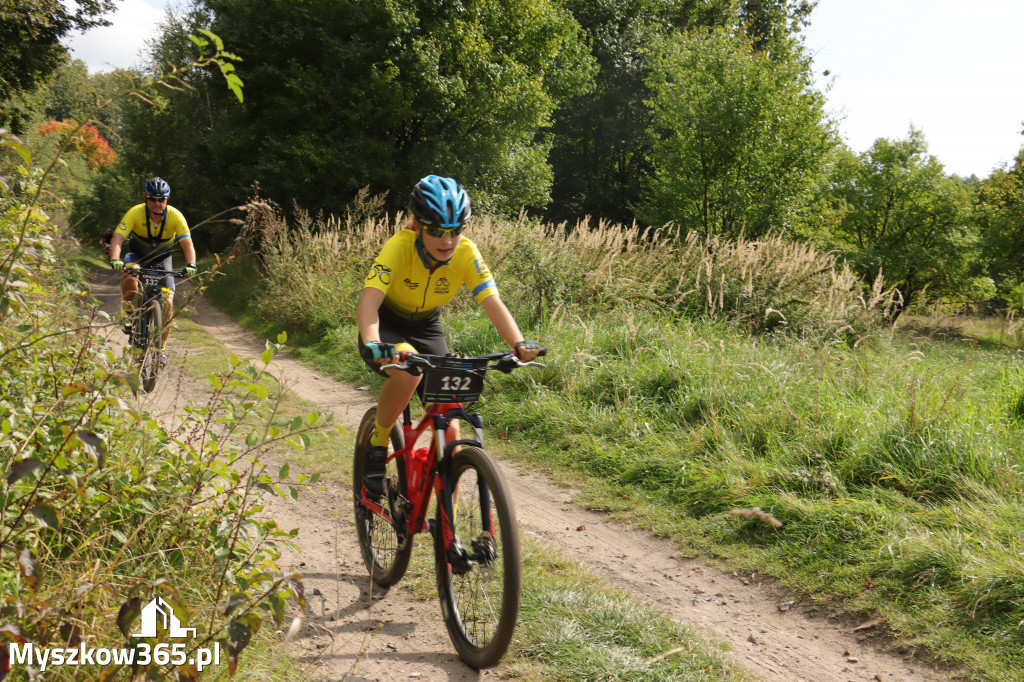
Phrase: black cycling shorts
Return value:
(142, 254)
(426, 336)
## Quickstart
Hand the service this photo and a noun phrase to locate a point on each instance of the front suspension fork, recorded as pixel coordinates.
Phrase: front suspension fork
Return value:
(483, 549)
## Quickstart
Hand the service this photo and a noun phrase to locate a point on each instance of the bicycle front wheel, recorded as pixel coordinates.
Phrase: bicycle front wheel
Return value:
(479, 597)
(385, 553)
(149, 339)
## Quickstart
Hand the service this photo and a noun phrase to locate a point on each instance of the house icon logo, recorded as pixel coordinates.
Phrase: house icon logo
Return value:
(158, 615)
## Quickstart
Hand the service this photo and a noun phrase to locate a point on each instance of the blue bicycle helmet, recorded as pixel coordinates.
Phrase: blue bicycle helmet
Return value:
(440, 202)
(157, 188)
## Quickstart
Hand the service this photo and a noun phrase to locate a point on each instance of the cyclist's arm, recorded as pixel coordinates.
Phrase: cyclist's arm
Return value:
(189, 249)
(115, 245)
(370, 300)
(506, 325)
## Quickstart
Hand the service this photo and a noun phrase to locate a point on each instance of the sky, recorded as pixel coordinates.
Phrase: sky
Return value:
(951, 68)
(121, 45)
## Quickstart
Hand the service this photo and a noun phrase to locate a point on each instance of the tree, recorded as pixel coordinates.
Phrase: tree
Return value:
(30, 47)
(741, 136)
(73, 93)
(1000, 211)
(163, 129)
(602, 145)
(771, 23)
(348, 93)
(901, 215)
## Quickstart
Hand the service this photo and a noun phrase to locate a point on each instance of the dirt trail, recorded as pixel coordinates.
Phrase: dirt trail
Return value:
(390, 636)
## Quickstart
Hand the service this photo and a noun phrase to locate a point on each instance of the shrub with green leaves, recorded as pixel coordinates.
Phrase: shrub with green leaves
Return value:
(103, 505)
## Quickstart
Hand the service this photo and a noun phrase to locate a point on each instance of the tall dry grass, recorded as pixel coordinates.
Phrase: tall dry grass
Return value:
(313, 270)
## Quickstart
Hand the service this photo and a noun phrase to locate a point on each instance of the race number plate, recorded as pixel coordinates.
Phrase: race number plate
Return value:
(151, 280)
(452, 386)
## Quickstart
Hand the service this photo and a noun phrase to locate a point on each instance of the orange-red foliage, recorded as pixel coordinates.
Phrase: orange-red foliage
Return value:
(87, 141)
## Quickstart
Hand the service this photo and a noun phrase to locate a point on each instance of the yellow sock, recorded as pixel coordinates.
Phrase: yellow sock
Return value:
(381, 435)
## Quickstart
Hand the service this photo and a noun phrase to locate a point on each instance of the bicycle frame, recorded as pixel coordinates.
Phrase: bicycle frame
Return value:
(426, 472)
(148, 292)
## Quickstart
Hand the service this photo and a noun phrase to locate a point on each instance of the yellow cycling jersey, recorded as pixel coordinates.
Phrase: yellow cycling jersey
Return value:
(412, 290)
(171, 229)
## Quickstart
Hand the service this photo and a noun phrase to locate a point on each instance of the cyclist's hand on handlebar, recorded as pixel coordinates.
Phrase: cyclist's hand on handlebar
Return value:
(117, 264)
(526, 350)
(190, 269)
(378, 350)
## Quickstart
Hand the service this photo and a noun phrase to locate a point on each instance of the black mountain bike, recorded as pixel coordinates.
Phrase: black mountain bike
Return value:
(146, 324)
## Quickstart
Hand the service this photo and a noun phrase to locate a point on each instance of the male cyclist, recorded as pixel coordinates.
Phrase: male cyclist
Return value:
(417, 271)
(152, 229)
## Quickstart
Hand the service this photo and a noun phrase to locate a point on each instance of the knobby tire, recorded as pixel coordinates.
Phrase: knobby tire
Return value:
(149, 335)
(385, 557)
(480, 606)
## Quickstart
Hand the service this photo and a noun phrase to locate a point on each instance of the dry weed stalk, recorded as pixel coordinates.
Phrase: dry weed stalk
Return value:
(759, 514)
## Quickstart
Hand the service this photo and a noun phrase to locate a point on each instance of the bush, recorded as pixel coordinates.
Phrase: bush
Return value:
(104, 506)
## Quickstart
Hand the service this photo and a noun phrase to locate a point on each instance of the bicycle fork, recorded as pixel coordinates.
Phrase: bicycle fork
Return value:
(482, 548)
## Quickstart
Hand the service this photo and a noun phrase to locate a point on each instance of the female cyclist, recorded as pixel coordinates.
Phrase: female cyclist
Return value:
(416, 272)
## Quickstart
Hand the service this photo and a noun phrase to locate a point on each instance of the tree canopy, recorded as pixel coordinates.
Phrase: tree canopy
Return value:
(1000, 213)
(362, 92)
(701, 113)
(601, 153)
(740, 137)
(30, 47)
(903, 216)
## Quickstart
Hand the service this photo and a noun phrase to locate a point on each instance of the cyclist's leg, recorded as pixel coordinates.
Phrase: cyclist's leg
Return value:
(431, 340)
(168, 305)
(394, 396)
(391, 401)
(129, 290)
(129, 285)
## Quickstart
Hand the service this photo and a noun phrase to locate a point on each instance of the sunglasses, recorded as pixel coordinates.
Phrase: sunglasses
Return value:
(440, 232)
(159, 200)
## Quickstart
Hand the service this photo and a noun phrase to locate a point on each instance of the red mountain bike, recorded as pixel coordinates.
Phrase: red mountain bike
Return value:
(475, 532)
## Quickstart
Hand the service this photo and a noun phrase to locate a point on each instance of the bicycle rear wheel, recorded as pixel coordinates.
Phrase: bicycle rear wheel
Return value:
(149, 339)
(385, 554)
(480, 605)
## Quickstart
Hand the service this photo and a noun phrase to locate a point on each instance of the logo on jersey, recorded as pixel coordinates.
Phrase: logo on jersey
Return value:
(481, 268)
(409, 283)
(381, 272)
(442, 286)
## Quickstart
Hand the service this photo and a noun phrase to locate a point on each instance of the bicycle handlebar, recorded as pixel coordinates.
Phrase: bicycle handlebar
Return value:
(180, 273)
(504, 361)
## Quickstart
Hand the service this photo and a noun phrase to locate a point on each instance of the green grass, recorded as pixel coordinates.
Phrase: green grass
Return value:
(574, 628)
(985, 331)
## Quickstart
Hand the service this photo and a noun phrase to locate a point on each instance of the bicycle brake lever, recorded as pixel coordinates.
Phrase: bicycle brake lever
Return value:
(507, 365)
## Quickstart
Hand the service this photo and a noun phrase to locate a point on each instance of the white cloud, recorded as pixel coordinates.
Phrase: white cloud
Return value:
(123, 43)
